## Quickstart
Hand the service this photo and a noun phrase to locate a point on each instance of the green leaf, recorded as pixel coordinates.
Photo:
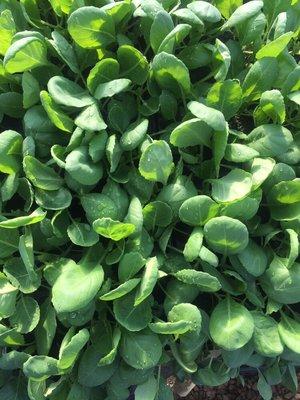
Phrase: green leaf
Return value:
(25, 54)
(130, 264)
(160, 28)
(204, 281)
(205, 11)
(26, 316)
(35, 217)
(193, 245)
(110, 357)
(213, 118)
(82, 234)
(231, 325)
(7, 30)
(147, 390)
(265, 390)
(270, 140)
(65, 51)
(170, 328)
(243, 13)
(289, 330)
(91, 27)
(171, 73)
(156, 213)
(114, 230)
(46, 328)
(81, 167)
(68, 93)
(253, 259)
(285, 192)
(226, 97)
(141, 350)
(275, 47)
(56, 115)
(40, 368)
(156, 162)
(266, 336)
(238, 153)
(121, 290)
(260, 77)
(226, 235)
(110, 89)
(10, 150)
(148, 282)
(41, 175)
(71, 346)
(191, 133)
(31, 90)
(197, 210)
(105, 70)
(90, 374)
(234, 186)
(21, 277)
(134, 135)
(9, 241)
(133, 64)
(77, 285)
(227, 7)
(133, 318)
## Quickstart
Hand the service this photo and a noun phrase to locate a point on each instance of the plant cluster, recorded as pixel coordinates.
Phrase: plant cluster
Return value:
(150, 205)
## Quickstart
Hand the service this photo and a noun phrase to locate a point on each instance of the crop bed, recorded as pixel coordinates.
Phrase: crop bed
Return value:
(149, 197)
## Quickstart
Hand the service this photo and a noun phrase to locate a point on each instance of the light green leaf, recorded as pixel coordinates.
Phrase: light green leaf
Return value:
(226, 97)
(133, 318)
(226, 235)
(35, 217)
(68, 93)
(213, 118)
(231, 325)
(71, 346)
(193, 245)
(266, 336)
(76, 286)
(121, 290)
(41, 175)
(243, 13)
(40, 368)
(289, 330)
(148, 282)
(275, 47)
(26, 316)
(197, 210)
(25, 54)
(82, 234)
(156, 162)
(133, 64)
(109, 89)
(204, 281)
(191, 133)
(114, 230)
(171, 73)
(56, 115)
(91, 27)
(234, 186)
(141, 350)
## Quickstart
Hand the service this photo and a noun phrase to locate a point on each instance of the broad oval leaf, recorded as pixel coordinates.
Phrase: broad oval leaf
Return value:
(197, 210)
(226, 235)
(91, 27)
(141, 350)
(76, 286)
(231, 325)
(156, 162)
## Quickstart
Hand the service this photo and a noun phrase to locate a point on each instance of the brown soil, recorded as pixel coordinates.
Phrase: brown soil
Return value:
(233, 390)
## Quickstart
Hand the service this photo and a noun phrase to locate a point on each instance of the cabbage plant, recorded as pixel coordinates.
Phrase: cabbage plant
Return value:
(150, 196)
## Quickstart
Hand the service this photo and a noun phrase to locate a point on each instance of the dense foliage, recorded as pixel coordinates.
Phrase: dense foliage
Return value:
(149, 154)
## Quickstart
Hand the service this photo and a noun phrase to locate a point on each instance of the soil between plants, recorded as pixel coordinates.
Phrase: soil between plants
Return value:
(234, 390)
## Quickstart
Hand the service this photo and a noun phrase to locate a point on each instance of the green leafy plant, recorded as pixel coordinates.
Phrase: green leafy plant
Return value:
(150, 199)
